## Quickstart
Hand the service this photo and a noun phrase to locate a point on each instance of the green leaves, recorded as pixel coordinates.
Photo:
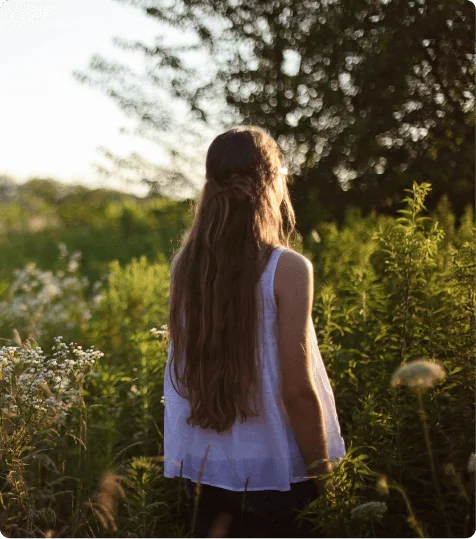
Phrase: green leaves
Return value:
(395, 291)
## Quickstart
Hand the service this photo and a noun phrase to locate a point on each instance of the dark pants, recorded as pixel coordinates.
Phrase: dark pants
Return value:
(263, 513)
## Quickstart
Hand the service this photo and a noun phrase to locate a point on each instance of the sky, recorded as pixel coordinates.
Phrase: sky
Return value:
(51, 124)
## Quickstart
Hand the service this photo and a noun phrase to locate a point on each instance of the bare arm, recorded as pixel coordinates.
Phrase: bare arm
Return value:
(294, 286)
(305, 416)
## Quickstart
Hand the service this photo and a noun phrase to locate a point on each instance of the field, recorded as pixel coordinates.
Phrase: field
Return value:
(84, 284)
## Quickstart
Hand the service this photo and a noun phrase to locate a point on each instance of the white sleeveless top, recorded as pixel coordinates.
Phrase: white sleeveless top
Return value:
(262, 449)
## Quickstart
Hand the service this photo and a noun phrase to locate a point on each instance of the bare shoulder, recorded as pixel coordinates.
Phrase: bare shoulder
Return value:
(292, 267)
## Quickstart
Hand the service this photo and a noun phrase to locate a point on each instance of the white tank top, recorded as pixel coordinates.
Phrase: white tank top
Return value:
(262, 449)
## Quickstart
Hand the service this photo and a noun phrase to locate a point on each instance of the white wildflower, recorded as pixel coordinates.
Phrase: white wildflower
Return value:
(382, 486)
(97, 300)
(368, 511)
(43, 389)
(62, 249)
(44, 301)
(419, 374)
(73, 266)
(163, 331)
(472, 463)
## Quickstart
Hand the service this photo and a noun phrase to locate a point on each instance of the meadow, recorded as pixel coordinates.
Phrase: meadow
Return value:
(83, 321)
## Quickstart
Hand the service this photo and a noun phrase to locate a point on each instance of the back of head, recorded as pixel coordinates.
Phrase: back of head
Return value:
(243, 212)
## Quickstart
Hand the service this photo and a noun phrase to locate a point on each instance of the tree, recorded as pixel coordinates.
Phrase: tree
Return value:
(364, 96)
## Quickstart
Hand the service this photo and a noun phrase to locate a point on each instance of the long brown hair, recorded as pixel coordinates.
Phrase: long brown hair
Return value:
(214, 276)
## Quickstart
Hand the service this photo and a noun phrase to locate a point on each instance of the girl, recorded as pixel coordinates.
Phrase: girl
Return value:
(248, 404)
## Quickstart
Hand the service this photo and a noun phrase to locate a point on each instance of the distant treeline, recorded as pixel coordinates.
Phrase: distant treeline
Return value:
(103, 224)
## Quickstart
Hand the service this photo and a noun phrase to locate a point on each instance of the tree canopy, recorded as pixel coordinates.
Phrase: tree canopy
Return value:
(364, 96)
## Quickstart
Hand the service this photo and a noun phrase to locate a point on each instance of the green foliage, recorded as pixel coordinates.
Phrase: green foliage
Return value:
(38, 395)
(395, 291)
(151, 504)
(126, 413)
(134, 300)
(42, 304)
(387, 292)
(102, 225)
(354, 91)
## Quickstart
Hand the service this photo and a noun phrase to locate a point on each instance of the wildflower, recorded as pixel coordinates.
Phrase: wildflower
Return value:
(97, 299)
(315, 236)
(369, 510)
(164, 331)
(38, 299)
(73, 266)
(419, 374)
(382, 486)
(62, 249)
(472, 463)
(41, 387)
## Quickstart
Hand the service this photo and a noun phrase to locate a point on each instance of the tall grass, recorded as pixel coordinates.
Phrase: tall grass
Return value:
(389, 292)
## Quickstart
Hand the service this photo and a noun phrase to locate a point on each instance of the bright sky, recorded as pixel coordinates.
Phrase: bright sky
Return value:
(50, 123)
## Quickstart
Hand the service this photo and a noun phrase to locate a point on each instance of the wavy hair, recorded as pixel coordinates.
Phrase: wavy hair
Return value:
(215, 272)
